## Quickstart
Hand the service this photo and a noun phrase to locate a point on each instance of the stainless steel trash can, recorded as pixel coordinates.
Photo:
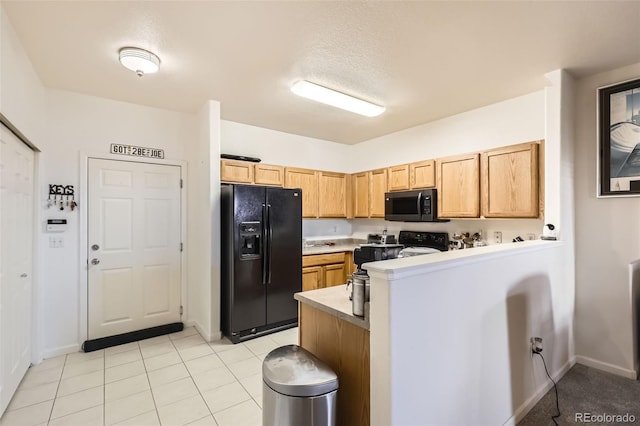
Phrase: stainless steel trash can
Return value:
(297, 389)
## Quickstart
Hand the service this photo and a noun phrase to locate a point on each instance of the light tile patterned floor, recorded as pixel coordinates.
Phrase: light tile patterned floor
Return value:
(177, 379)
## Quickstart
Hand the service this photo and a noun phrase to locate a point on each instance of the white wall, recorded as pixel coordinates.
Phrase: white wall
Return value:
(509, 122)
(22, 102)
(280, 148)
(203, 189)
(78, 125)
(607, 240)
(21, 92)
(450, 338)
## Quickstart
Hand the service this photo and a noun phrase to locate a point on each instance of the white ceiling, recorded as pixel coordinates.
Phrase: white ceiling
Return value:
(423, 60)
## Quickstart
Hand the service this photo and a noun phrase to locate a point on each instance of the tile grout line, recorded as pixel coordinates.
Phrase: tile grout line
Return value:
(55, 396)
(193, 380)
(251, 397)
(126, 378)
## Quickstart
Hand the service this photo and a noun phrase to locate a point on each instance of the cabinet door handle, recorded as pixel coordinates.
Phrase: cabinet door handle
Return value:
(24, 275)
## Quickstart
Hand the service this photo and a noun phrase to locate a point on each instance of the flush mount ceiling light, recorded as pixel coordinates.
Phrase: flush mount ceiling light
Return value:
(327, 96)
(139, 61)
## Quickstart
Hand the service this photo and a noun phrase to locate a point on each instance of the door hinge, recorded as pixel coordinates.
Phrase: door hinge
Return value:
(181, 247)
(181, 183)
(181, 310)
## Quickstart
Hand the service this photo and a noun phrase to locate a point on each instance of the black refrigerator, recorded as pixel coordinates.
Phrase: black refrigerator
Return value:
(261, 252)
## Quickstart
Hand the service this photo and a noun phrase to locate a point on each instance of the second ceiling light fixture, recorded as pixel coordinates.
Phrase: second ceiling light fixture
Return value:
(337, 99)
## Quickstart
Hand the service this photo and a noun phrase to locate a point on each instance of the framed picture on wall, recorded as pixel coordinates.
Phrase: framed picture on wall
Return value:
(619, 139)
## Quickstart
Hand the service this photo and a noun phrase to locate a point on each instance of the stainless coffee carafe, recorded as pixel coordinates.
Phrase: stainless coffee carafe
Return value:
(360, 288)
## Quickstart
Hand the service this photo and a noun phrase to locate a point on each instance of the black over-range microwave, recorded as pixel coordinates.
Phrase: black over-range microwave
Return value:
(412, 206)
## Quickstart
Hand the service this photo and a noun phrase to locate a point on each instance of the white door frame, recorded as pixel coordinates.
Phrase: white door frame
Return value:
(82, 197)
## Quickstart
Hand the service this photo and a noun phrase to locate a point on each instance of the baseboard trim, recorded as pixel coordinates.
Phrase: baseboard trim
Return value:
(205, 335)
(215, 336)
(605, 366)
(525, 407)
(62, 350)
(133, 336)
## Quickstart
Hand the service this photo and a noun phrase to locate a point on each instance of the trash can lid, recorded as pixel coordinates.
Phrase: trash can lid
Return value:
(293, 371)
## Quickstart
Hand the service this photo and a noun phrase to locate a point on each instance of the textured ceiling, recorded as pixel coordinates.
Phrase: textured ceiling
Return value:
(423, 60)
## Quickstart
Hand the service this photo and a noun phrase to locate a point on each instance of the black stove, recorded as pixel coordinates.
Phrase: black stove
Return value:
(411, 243)
(374, 252)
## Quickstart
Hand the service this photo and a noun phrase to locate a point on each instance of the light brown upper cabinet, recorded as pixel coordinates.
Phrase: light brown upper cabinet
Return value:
(398, 177)
(458, 186)
(377, 188)
(332, 189)
(236, 171)
(422, 174)
(510, 181)
(267, 174)
(307, 180)
(360, 187)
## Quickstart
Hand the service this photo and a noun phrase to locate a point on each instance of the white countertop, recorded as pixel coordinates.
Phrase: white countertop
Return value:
(416, 264)
(334, 301)
(328, 249)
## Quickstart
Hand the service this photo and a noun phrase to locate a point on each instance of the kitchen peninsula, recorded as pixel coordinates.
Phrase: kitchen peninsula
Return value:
(446, 341)
(330, 331)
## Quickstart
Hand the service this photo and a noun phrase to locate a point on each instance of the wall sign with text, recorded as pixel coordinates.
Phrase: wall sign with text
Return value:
(136, 151)
(619, 139)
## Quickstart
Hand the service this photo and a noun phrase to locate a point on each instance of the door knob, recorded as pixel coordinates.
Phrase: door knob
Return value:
(95, 261)
(23, 275)
(95, 247)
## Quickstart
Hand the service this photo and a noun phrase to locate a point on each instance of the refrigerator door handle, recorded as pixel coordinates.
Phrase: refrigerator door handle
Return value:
(265, 242)
(269, 244)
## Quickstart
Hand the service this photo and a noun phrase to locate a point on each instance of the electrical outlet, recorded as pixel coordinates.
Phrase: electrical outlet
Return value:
(536, 345)
(497, 237)
(56, 241)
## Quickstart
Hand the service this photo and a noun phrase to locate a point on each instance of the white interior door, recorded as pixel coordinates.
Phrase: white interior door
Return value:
(134, 246)
(16, 254)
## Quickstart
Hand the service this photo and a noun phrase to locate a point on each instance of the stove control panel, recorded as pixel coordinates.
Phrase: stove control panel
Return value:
(436, 240)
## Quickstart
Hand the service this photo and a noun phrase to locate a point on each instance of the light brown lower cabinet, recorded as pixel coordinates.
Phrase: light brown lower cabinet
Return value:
(334, 275)
(344, 347)
(349, 266)
(312, 278)
(323, 270)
